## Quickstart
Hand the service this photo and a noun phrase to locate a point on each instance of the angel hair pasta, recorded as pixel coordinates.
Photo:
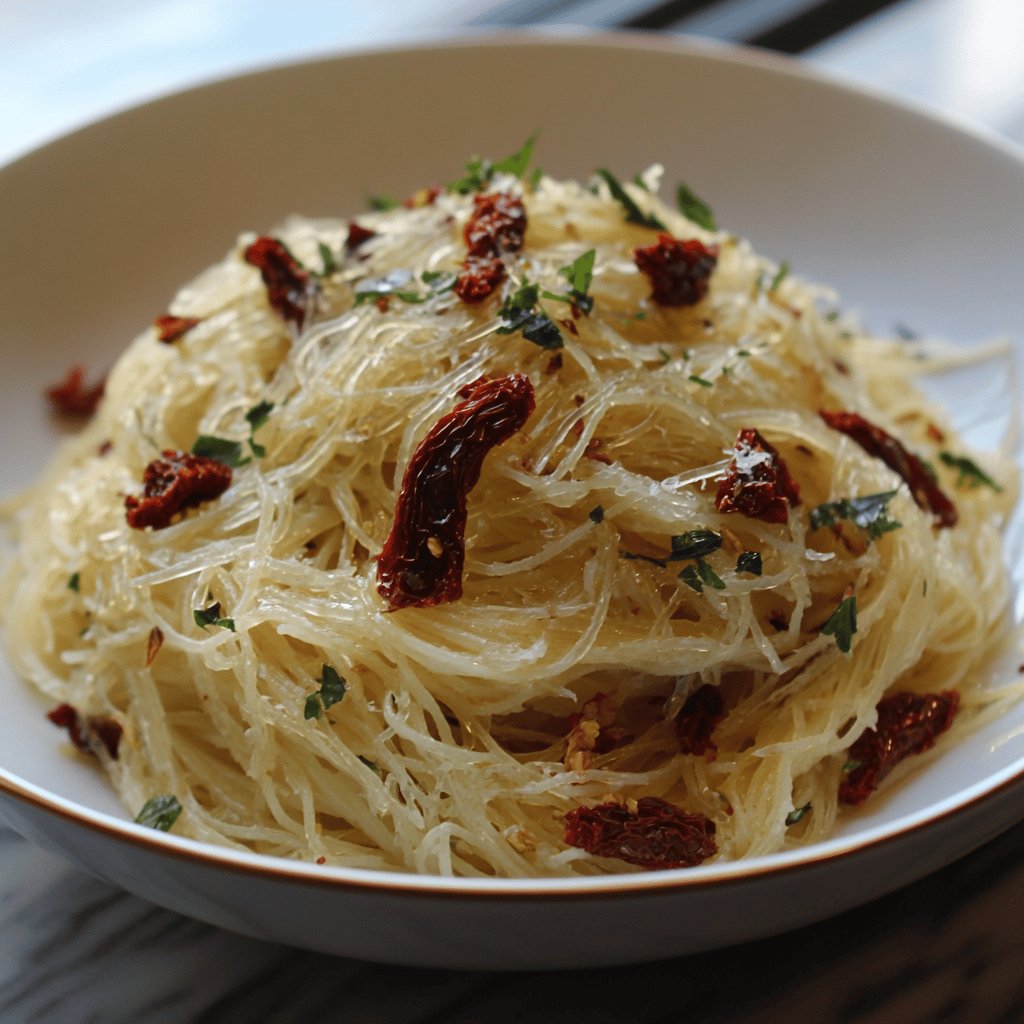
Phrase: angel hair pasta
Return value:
(525, 528)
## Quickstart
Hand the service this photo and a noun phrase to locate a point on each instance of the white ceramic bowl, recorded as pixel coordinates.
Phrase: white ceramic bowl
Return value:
(914, 219)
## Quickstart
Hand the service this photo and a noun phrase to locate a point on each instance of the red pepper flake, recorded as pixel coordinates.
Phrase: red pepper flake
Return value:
(678, 269)
(496, 226)
(423, 197)
(288, 284)
(702, 711)
(591, 730)
(594, 453)
(173, 483)
(656, 835)
(153, 644)
(357, 234)
(170, 328)
(422, 560)
(554, 363)
(908, 723)
(757, 483)
(105, 448)
(85, 733)
(877, 442)
(71, 397)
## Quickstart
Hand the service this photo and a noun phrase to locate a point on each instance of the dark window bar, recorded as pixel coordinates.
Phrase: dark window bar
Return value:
(789, 26)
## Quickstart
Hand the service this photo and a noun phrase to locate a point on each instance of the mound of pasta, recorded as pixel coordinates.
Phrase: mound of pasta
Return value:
(523, 528)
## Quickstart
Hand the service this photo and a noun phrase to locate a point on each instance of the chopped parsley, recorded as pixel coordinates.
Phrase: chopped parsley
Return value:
(520, 312)
(597, 514)
(870, 513)
(579, 274)
(694, 544)
(480, 170)
(798, 814)
(73, 581)
(383, 203)
(400, 284)
(328, 259)
(691, 206)
(634, 215)
(749, 561)
(780, 275)
(159, 812)
(851, 766)
(970, 473)
(332, 689)
(210, 616)
(220, 448)
(701, 381)
(842, 624)
(259, 414)
(699, 574)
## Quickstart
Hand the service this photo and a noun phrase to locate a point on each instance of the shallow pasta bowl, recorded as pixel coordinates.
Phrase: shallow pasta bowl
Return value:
(914, 220)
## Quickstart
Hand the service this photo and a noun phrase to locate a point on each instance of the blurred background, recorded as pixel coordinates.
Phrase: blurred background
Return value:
(64, 63)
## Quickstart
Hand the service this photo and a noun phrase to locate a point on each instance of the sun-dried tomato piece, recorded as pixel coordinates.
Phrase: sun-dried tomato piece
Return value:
(875, 441)
(170, 328)
(696, 722)
(288, 284)
(422, 560)
(173, 483)
(357, 234)
(480, 276)
(908, 723)
(85, 733)
(656, 835)
(496, 226)
(678, 269)
(72, 398)
(757, 483)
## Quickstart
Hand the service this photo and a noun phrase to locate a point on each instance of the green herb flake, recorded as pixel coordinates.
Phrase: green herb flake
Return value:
(519, 312)
(634, 215)
(480, 170)
(749, 561)
(159, 812)
(905, 333)
(329, 260)
(691, 206)
(694, 544)
(258, 415)
(780, 275)
(73, 581)
(666, 356)
(220, 448)
(210, 616)
(870, 513)
(518, 162)
(383, 203)
(851, 766)
(798, 814)
(332, 689)
(970, 473)
(372, 765)
(579, 274)
(832, 316)
(701, 381)
(743, 353)
(842, 624)
(692, 579)
(439, 281)
(596, 514)
(709, 576)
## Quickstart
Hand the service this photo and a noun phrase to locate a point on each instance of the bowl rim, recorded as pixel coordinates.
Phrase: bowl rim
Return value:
(711, 876)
